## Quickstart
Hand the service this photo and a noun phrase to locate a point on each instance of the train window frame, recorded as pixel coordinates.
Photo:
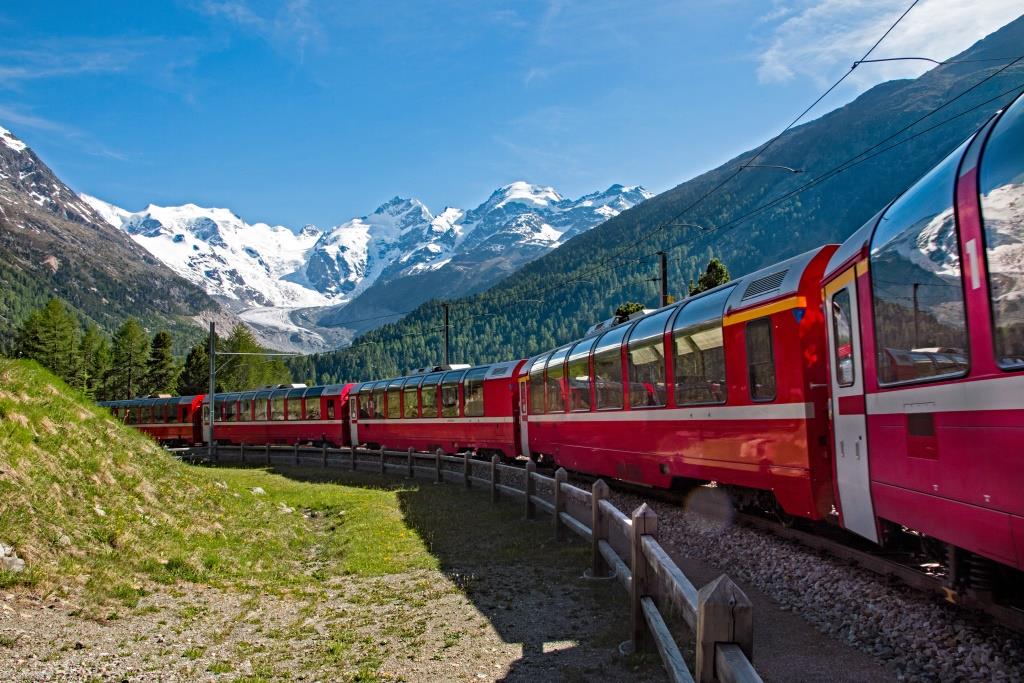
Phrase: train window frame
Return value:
(708, 316)
(603, 347)
(769, 326)
(956, 157)
(580, 354)
(558, 356)
(478, 376)
(535, 387)
(1015, 109)
(649, 339)
(451, 380)
(430, 383)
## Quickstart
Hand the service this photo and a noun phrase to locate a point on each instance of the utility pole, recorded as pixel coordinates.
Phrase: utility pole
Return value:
(445, 359)
(213, 383)
(664, 278)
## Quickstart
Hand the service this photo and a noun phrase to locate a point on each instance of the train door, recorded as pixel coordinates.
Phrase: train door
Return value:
(353, 417)
(524, 397)
(849, 422)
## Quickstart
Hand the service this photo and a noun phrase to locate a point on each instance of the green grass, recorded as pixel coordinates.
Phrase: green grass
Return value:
(87, 499)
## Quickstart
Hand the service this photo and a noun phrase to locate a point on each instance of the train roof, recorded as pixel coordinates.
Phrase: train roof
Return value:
(774, 282)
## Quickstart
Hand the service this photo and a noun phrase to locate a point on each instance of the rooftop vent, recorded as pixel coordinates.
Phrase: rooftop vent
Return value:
(764, 285)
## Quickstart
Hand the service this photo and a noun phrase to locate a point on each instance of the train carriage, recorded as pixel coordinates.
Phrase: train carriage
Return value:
(171, 420)
(925, 307)
(292, 414)
(726, 386)
(456, 410)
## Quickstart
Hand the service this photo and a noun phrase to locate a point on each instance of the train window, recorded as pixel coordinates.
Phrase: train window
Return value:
(842, 333)
(646, 355)
(916, 282)
(312, 407)
(244, 409)
(578, 375)
(473, 391)
(410, 397)
(295, 404)
(229, 411)
(428, 394)
(261, 412)
(699, 351)
(394, 400)
(761, 360)
(608, 368)
(330, 409)
(1002, 196)
(377, 407)
(554, 375)
(537, 385)
(277, 406)
(450, 393)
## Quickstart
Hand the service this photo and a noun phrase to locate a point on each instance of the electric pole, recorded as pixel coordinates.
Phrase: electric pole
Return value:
(445, 359)
(213, 384)
(664, 278)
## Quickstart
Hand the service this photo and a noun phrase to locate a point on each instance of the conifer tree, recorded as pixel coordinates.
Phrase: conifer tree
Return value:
(195, 376)
(130, 352)
(49, 335)
(95, 363)
(249, 372)
(715, 274)
(161, 368)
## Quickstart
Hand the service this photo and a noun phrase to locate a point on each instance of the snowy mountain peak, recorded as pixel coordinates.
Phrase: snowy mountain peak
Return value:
(522, 192)
(7, 137)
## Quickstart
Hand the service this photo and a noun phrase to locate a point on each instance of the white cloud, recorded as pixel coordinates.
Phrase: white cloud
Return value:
(820, 39)
(293, 25)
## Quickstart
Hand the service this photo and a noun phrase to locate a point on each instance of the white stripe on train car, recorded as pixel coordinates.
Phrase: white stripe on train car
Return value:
(775, 411)
(997, 393)
(436, 420)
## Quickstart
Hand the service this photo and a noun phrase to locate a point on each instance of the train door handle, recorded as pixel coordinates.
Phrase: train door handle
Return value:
(856, 449)
(817, 385)
(842, 449)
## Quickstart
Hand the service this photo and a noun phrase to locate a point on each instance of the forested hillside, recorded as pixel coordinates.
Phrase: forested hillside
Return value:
(558, 296)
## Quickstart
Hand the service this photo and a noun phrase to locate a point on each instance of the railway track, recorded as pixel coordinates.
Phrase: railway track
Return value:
(905, 568)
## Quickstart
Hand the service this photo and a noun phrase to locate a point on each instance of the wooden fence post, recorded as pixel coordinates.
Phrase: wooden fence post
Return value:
(465, 468)
(382, 470)
(598, 527)
(437, 465)
(296, 453)
(724, 615)
(645, 523)
(352, 455)
(560, 477)
(323, 453)
(494, 478)
(241, 451)
(266, 452)
(531, 467)
(412, 472)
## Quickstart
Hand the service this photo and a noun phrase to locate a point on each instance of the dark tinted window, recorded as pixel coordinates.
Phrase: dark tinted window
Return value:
(760, 360)
(842, 333)
(608, 368)
(1002, 209)
(699, 351)
(920, 329)
(578, 375)
(473, 392)
(646, 356)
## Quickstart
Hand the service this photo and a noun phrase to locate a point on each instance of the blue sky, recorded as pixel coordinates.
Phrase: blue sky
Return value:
(302, 111)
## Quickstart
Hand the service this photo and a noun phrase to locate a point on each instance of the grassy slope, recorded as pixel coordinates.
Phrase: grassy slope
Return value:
(87, 501)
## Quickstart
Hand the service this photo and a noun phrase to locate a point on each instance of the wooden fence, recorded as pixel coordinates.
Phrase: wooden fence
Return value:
(625, 548)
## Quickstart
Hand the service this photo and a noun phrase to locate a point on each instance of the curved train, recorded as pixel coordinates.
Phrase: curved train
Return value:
(877, 385)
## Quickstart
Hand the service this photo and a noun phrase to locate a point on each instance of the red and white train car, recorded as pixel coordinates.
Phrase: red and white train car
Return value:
(172, 420)
(726, 386)
(925, 307)
(457, 410)
(282, 415)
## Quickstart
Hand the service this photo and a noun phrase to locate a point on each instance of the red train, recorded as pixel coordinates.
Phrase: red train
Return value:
(877, 384)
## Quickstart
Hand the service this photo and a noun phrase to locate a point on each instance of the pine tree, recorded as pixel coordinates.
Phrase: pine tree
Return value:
(716, 274)
(95, 363)
(249, 372)
(131, 350)
(49, 336)
(195, 376)
(161, 369)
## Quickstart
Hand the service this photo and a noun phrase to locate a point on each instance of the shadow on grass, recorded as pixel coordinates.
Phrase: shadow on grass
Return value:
(526, 584)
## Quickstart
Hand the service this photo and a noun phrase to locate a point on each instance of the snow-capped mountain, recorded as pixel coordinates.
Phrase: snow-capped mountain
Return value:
(266, 273)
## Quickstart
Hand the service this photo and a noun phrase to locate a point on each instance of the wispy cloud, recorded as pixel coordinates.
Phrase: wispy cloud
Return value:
(294, 26)
(819, 39)
(20, 119)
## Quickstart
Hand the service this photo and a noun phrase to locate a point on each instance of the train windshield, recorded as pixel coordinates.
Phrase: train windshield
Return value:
(1002, 209)
(916, 283)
